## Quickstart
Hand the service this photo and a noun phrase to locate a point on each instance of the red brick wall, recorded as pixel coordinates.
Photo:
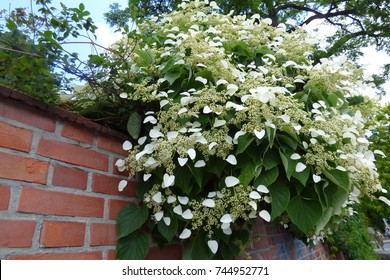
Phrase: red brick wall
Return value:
(58, 189)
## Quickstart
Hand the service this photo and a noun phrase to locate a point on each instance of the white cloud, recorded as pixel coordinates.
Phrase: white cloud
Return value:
(106, 36)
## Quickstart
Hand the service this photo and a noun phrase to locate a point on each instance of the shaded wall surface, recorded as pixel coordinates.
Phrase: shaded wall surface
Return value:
(58, 189)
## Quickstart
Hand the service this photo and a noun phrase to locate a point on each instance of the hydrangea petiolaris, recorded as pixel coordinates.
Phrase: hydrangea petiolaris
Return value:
(238, 123)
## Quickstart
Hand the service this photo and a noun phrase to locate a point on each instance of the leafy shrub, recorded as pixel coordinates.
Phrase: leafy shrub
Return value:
(235, 123)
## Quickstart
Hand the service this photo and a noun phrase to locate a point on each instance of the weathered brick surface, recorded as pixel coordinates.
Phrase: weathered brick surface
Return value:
(73, 154)
(60, 256)
(111, 144)
(15, 138)
(115, 206)
(77, 132)
(70, 177)
(62, 234)
(16, 233)
(40, 201)
(11, 109)
(5, 195)
(109, 185)
(103, 234)
(23, 168)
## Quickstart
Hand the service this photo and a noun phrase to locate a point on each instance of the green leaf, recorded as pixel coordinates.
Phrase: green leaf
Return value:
(288, 163)
(271, 133)
(338, 177)
(304, 213)
(131, 218)
(271, 159)
(172, 75)
(169, 232)
(332, 99)
(292, 143)
(248, 172)
(267, 177)
(146, 56)
(133, 247)
(134, 125)
(243, 142)
(183, 180)
(302, 176)
(217, 167)
(200, 250)
(280, 197)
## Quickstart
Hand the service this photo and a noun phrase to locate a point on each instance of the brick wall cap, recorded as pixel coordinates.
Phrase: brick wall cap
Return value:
(61, 113)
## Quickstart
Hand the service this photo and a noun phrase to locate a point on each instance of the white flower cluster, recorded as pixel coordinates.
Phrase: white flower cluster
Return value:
(245, 82)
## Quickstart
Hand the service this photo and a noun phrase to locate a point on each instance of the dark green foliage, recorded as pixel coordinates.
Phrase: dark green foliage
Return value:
(351, 238)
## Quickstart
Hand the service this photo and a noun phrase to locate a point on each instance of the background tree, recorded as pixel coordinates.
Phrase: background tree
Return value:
(359, 23)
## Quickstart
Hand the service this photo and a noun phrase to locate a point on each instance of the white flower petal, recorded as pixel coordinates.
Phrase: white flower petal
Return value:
(171, 199)
(300, 167)
(254, 195)
(185, 234)
(200, 163)
(259, 134)
(213, 245)
(221, 82)
(207, 110)
(227, 231)
(168, 180)
(178, 210)
(154, 133)
(253, 204)
(219, 123)
(227, 218)
(127, 145)
(142, 140)
(122, 184)
(362, 140)
(182, 110)
(285, 118)
(157, 197)
(187, 214)
(123, 95)
(201, 79)
(158, 216)
(191, 153)
(231, 159)
(182, 161)
(262, 189)
(172, 135)
(209, 203)
(231, 181)
(265, 215)
(183, 199)
(385, 200)
(316, 178)
(267, 199)
(163, 103)
(341, 168)
(146, 177)
(378, 152)
(150, 119)
(120, 162)
(167, 221)
(295, 156)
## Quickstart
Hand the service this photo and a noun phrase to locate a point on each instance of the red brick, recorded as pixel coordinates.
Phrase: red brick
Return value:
(69, 177)
(109, 185)
(111, 255)
(111, 144)
(16, 233)
(172, 252)
(72, 154)
(115, 206)
(15, 138)
(33, 200)
(5, 194)
(60, 256)
(19, 111)
(23, 169)
(103, 234)
(62, 234)
(77, 132)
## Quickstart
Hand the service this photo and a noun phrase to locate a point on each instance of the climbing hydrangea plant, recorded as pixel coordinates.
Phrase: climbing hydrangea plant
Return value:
(239, 124)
